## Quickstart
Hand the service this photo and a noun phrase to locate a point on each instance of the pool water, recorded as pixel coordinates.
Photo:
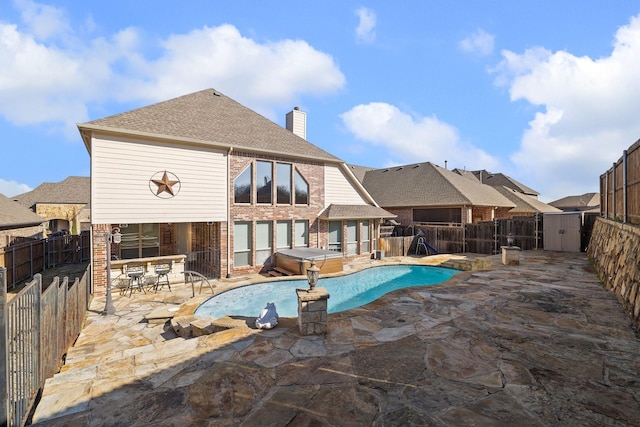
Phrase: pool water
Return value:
(345, 292)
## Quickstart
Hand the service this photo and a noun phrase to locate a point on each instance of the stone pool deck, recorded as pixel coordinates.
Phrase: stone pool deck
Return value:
(536, 344)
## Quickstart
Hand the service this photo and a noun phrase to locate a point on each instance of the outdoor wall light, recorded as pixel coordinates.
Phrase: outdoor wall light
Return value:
(313, 274)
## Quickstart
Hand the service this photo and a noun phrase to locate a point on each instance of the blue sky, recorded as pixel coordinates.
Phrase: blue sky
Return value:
(544, 91)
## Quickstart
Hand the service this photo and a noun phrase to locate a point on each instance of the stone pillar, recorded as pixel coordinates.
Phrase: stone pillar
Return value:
(510, 255)
(312, 311)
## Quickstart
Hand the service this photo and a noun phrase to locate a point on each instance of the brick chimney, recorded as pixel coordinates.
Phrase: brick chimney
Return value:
(297, 122)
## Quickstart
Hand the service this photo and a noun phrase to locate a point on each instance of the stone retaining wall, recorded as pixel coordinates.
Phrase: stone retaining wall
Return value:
(613, 250)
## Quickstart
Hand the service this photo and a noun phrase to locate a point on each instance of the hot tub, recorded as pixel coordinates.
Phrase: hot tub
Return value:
(297, 260)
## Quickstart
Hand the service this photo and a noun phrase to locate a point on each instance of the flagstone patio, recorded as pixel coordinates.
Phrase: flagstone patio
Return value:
(541, 343)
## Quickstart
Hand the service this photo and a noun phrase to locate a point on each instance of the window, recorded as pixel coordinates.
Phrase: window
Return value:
(352, 237)
(302, 189)
(242, 244)
(264, 179)
(301, 233)
(283, 234)
(366, 237)
(442, 215)
(335, 236)
(283, 176)
(263, 241)
(242, 189)
(140, 241)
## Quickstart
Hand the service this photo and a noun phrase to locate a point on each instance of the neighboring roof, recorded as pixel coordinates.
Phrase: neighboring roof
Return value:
(72, 190)
(14, 215)
(359, 171)
(354, 212)
(524, 202)
(584, 201)
(208, 117)
(502, 180)
(426, 184)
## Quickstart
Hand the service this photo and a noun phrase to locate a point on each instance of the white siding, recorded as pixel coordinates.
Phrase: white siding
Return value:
(339, 189)
(121, 170)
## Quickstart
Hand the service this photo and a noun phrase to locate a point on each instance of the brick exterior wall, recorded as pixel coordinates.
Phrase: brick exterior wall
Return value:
(313, 173)
(99, 258)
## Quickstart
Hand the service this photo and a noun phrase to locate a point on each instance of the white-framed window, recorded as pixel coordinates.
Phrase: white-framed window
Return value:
(263, 241)
(283, 235)
(241, 244)
(352, 237)
(335, 236)
(365, 238)
(301, 232)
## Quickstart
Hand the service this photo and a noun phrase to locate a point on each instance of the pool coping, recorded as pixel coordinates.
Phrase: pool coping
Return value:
(187, 325)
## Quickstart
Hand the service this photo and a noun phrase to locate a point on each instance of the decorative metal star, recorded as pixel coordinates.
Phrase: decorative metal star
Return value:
(165, 184)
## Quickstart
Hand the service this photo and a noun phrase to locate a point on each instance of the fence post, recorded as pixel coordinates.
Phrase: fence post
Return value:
(624, 186)
(614, 190)
(3, 347)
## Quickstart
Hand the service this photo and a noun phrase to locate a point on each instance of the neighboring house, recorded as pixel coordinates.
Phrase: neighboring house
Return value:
(499, 180)
(64, 204)
(428, 193)
(201, 172)
(16, 221)
(584, 202)
(526, 205)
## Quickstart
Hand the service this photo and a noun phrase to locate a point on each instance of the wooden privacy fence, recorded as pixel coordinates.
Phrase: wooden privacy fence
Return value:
(36, 330)
(483, 237)
(23, 260)
(620, 188)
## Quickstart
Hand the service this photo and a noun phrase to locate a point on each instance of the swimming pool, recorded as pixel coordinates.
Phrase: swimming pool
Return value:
(345, 292)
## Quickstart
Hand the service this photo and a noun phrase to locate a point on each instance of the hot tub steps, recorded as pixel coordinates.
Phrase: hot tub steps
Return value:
(278, 271)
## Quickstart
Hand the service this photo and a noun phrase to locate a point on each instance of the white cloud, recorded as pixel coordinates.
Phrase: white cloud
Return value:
(366, 30)
(480, 43)
(43, 21)
(47, 81)
(409, 139)
(221, 57)
(588, 111)
(12, 188)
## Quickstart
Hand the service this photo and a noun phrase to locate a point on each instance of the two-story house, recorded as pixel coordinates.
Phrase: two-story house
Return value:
(202, 173)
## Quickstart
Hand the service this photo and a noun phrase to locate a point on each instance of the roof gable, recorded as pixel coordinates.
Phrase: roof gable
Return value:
(502, 180)
(72, 190)
(211, 118)
(426, 184)
(524, 202)
(14, 215)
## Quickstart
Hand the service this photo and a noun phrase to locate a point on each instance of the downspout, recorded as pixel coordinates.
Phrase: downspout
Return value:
(229, 213)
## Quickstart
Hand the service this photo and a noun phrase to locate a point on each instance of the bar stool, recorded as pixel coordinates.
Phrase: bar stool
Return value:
(162, 272)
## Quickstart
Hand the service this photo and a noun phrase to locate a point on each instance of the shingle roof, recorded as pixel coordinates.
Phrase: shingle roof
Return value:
(14, 215)
(524, 202)
(72, 190)
(500, 180)
(426, 184)
(583, 201)
(354, 212)
(211, 118)
(359, 171)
